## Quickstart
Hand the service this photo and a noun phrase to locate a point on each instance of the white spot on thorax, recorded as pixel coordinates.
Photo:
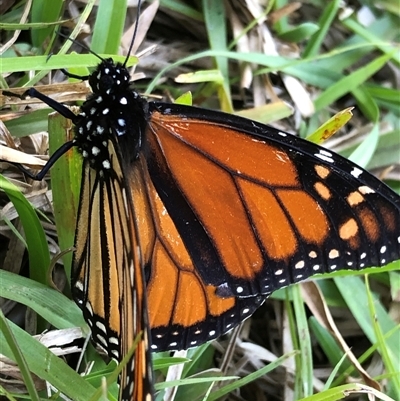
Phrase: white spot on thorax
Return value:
(95, 151)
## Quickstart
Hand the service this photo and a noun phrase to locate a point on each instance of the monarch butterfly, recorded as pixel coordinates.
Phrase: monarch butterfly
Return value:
(190, 218)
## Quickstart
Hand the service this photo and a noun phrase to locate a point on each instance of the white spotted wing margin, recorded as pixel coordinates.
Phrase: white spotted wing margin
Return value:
(108, 282)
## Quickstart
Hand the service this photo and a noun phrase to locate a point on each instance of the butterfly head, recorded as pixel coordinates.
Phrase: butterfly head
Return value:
(109, 78)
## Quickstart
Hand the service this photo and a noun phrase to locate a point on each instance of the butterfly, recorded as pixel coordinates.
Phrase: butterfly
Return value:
(190, 218)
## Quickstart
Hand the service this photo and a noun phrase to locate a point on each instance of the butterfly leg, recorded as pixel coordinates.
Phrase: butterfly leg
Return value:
(60, 108)
(69, 75)
(54, 157)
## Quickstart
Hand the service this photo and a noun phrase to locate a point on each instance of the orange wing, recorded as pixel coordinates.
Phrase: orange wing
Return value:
(108, 282)
(182, 306)
(230, 212)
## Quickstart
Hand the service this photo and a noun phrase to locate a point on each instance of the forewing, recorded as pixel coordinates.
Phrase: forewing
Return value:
(108, 281)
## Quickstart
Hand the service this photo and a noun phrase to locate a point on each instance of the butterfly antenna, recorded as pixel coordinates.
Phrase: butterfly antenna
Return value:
(134, 32)
(80, 44)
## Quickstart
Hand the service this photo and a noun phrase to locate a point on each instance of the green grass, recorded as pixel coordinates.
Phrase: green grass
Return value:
(354, 70)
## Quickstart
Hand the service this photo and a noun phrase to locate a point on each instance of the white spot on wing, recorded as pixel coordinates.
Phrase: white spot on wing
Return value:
(113, 340)
(356, 172)
(101, 326)
(89, 308)
(333, 253)
(323, 156)
(102, 340)
(366, 190)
